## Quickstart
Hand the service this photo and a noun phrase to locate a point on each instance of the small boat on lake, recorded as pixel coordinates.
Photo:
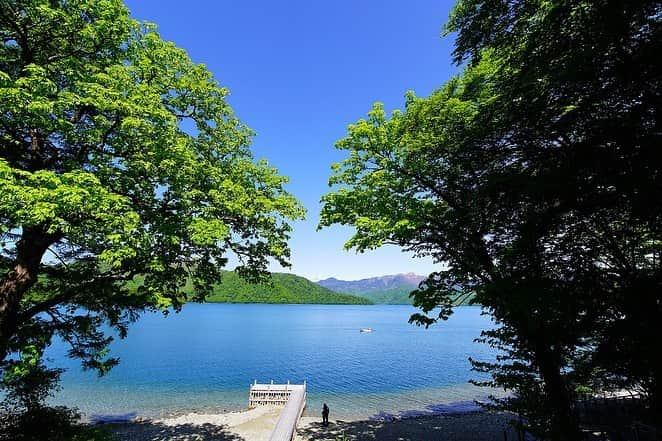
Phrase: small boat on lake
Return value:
(365, 330)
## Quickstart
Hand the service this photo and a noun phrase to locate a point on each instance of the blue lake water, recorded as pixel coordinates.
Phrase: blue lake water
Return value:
(204, 359)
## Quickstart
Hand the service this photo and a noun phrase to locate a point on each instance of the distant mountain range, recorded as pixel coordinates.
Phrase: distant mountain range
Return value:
(391, 289)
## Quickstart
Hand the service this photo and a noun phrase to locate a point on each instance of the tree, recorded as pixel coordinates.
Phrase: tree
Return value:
(417, 180)
(123, 175)
(531, 177)
(583, 100)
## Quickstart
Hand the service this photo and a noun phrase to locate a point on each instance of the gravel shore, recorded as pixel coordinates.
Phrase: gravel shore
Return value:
(474, 426)
(257, 424)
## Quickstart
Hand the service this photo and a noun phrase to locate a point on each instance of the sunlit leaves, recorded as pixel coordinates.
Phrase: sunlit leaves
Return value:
(127, 154)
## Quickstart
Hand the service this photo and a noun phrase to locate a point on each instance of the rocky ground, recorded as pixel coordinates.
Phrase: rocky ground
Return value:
(257, 424)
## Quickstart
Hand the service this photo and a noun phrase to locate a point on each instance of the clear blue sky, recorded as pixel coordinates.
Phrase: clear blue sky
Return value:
(299, 72)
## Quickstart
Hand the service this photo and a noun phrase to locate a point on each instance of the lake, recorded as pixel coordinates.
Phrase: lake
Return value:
(204, 359)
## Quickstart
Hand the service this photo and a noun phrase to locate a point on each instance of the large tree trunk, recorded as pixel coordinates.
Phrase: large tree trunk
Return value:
(21, 276)
(655, 397)
(655, 390)
(564, 423)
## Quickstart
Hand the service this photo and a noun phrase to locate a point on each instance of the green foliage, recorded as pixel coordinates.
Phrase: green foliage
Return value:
(49, 423)
(279, 288)
(27, 383)
(120, 161)
(23, 415)
(390, 181)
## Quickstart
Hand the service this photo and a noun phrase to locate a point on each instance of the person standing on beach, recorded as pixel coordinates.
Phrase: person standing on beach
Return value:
(325, 415)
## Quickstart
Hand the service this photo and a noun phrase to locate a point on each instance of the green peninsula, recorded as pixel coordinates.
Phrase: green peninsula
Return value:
(400, 296)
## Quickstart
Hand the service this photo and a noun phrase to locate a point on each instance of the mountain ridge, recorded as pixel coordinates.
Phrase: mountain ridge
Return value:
(392, 289)
(371, 284)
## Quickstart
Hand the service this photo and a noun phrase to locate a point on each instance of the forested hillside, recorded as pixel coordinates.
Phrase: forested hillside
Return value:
(284, 288)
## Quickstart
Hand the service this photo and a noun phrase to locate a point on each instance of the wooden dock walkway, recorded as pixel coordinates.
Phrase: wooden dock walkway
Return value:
(292, 396)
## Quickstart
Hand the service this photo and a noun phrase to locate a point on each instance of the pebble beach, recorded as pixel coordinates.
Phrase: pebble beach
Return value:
(257, 425)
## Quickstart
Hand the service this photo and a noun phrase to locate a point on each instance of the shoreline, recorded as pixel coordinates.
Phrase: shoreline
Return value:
(480, 425)
(257, 425)
(439, 408)
(345, 406)
(254, 424)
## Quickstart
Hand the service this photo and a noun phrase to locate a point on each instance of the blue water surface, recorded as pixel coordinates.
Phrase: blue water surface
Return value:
(204, 359)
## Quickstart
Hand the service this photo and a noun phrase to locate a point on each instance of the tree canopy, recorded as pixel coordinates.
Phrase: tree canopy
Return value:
(532, 178)
(120, 161)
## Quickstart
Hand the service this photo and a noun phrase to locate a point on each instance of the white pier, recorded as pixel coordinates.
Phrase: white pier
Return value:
(292, 396)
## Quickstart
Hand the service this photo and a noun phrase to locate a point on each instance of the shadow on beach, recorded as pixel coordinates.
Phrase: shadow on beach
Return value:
(481, 426)
(152, 431)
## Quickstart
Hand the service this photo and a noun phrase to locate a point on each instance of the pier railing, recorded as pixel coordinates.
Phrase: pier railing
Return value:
(271, 394)
(292, 396)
